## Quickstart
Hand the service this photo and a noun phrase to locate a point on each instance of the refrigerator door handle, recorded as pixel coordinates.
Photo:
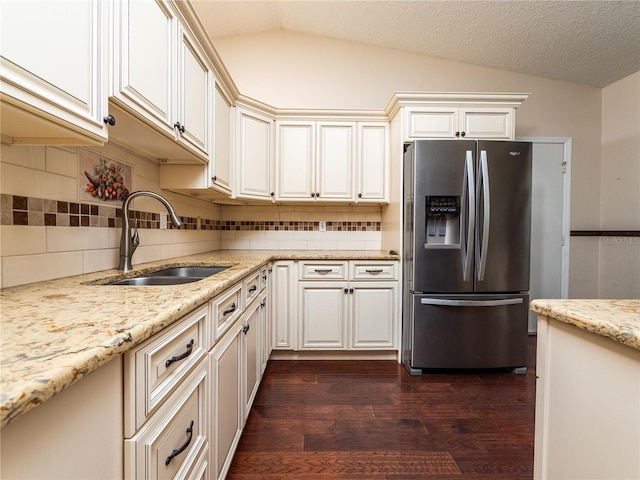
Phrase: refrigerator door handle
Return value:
(486, 220)
(467, 248)
(470, 303)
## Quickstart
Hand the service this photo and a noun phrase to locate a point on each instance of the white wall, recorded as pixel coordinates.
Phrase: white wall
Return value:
(620, 191)
(288, 69)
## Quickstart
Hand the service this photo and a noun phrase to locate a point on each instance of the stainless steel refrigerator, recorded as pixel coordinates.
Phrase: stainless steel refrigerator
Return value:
(466, 254)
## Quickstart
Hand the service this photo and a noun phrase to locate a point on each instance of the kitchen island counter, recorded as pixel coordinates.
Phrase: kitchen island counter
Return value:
(56, 332)
(618, 320)
(587, 421)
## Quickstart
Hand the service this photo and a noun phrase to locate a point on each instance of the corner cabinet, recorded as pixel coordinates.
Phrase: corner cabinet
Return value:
(213, 179)
(255, 150)
(55, 93)
(169, 91)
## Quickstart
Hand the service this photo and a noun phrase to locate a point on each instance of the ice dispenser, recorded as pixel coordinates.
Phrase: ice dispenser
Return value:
(442, 222)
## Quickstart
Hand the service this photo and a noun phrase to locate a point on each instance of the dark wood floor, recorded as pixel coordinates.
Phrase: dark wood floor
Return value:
(357, 420)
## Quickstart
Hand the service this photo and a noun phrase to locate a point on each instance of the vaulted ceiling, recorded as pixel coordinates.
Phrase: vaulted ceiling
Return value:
(590, 42)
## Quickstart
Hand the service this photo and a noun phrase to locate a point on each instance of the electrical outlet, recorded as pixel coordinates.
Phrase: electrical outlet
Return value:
(163, 221)
(322, 226)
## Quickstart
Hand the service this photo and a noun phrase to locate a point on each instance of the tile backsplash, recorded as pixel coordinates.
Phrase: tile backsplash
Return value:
(47, 231)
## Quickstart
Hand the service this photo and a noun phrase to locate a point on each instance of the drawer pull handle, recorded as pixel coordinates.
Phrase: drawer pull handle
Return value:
(374, 271)
(230, 310)
(245, 329)
(323, 270)
(253, 289)
(178, 451)
(177, 358)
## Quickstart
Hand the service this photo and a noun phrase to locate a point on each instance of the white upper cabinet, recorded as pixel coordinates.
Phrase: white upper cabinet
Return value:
(335, 160)
(315, 161)
(194, 96)
(372, 177)
(255, 155)
(161, 76)
(296, 166)
(491, 123)
(53, 79)
(220, 164)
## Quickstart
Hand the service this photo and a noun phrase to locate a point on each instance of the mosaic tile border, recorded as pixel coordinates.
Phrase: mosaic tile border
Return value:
(30, 211)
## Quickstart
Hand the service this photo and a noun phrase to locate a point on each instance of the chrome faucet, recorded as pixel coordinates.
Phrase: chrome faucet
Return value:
(128, 242)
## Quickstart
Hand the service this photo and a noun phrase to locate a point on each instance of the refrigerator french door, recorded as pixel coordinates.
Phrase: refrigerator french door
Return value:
(466, 254)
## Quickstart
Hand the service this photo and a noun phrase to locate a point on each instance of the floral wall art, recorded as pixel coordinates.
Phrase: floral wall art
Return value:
(103, 179)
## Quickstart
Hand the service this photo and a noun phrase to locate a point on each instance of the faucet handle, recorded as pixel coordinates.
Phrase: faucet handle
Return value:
(135, 239)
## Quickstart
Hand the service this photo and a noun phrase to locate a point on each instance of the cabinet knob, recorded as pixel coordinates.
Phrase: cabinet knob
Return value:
(346, 290)
(213, 179)
(273, 194)
(463, 134)
(179, 126)
(109, 120)
(317, 194)
(313, 194)
(359, 195)
(457, 134)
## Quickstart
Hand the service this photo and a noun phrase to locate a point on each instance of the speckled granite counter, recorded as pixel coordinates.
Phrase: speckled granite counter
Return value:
(54, 333)
(618, 320)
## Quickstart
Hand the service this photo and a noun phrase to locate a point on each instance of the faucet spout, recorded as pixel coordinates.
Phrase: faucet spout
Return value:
(129, 243)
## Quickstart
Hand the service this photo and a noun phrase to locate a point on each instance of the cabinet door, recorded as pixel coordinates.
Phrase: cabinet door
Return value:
(335, 161)
(323, 313)
(54, 60)
(226, 397)
(255, 156)
(251, 360)
(144, 63)
(373, 162)
(283, 305)
(431, 122)
(219, 165)
(265, 330)
(194, 96)
(296, 161)
(373, 314)
(487, 123)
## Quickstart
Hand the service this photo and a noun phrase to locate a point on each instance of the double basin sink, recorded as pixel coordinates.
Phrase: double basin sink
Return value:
(171, 276)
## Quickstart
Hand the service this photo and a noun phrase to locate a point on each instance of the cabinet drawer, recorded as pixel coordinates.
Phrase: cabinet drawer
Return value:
(251, 287)
(154, 368)
(264, 276)
(225, 309)
(171, 444)
(373, 270)
(323, 270)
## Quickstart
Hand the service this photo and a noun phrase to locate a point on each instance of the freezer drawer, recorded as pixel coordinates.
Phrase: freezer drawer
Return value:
(468, 331)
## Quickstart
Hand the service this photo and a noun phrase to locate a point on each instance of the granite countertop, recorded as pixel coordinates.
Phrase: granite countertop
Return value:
(618, 320)
(55, 332)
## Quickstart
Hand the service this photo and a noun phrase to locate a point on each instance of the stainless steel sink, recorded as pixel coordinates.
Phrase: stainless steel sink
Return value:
(171, 276)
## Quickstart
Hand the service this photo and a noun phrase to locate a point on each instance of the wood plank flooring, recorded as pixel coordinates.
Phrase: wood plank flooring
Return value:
(371, 420)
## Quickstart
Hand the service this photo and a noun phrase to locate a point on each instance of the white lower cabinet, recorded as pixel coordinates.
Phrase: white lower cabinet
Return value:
(171, 443)
(372, 312)
(225, 362)
(251, 361)
(350, 305)
(283, 305)
(323, 313)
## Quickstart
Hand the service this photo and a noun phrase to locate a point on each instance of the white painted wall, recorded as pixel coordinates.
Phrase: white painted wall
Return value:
(620, 192)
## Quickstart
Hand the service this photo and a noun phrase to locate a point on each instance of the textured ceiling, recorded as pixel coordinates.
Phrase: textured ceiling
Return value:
(588, 42)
